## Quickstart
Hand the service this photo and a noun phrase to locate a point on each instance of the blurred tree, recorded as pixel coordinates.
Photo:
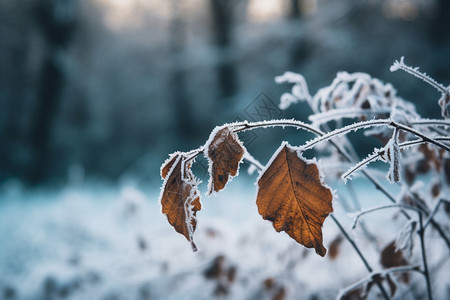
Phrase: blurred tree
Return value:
(57, 20)
(441, 27)
(16, 40)
(222, 17)
(183, 115)
(300, 46)
(295, 11)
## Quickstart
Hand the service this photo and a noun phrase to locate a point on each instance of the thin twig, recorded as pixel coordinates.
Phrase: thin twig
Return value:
(358, 251)
(371, 276)
(400, 65)
(419, 134)
(366, 124)
(424, 257)
(323, 117)
(364, 212)
(377, 153)
(344, 130)
(434, 211)
(432, 122)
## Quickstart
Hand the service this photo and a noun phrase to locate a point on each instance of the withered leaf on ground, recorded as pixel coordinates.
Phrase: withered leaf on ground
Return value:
(225, 152)
(293, 197)
(180, 198)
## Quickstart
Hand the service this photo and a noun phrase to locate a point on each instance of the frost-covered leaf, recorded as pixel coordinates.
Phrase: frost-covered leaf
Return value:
(180, 198)
(405, 238)
(167, 165)
(292, 195)
(444, 102)
(225, 152)
(394, 158)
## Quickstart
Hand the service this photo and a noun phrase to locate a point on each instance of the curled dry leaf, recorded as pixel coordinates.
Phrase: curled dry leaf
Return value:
(180, 198)
(293, 197)
(225, 152)
(167, 165)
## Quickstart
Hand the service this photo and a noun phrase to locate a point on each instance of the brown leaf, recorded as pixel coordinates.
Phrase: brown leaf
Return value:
(225, 152)
(391, 258)
(180, 198)
(231, 274)
(430, 156)
(216, 269)
(356, 294)
(269, 283)
(293, 197)
(280, 294)
(334, 247)
(447, 170)
(436, 189)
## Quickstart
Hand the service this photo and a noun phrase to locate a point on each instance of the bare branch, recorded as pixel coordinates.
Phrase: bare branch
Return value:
(364, 212)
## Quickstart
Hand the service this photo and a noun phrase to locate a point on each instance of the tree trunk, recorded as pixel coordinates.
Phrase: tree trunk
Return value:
(441, 26)
(222, 17)
(56, 19)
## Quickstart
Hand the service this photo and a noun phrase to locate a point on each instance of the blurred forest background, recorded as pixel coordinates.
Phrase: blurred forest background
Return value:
(94, 95)
(106, 89)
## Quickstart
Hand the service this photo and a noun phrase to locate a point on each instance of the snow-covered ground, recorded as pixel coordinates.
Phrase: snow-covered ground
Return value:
(93, 241)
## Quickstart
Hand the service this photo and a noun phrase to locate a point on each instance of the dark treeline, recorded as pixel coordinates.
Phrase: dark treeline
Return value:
(78, 90)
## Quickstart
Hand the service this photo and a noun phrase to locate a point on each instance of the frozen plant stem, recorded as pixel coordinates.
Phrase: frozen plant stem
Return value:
(366, 264)
(376, 155)
(424, 257)
(244, 126)
(400, 65)
(370, 123)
